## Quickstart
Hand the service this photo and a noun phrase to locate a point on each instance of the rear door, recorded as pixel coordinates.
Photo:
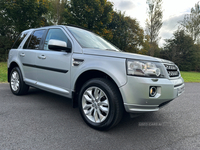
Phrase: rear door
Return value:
(27, 55)
(53, 67)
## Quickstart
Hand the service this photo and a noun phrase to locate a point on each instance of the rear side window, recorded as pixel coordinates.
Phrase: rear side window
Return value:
(20, 39)
(35, 39)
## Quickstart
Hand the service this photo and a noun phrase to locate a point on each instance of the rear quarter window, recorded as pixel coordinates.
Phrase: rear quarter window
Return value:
(19, 39)
(27, 42)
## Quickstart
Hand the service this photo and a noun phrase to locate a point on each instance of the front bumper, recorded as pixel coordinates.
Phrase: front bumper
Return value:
(135, 93)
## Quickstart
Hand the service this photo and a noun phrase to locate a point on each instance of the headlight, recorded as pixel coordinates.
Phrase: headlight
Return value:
(143, 68)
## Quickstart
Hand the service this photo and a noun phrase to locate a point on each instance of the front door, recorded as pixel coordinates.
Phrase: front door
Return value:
(53, 67)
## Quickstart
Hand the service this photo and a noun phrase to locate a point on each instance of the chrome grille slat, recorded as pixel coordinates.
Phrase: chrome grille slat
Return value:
(172, 70)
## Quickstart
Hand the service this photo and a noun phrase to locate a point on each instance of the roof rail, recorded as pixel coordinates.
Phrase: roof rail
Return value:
(73, 25)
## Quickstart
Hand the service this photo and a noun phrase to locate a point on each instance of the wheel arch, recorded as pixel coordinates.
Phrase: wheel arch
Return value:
(86, 76)
(11, 66)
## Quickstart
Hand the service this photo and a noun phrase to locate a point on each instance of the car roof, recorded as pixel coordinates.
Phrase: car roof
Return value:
(47, 27)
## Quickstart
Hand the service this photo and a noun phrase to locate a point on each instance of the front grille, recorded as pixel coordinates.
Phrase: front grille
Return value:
(172, 70)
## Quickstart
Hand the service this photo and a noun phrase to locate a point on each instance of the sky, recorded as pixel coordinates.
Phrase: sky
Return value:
(173, 12)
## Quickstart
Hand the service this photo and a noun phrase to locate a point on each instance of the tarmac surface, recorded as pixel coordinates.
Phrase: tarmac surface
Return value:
(45, 121)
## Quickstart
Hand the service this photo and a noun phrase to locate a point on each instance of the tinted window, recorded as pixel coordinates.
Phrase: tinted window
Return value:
(35, 39)
(27, 42)
(56, 34)
(20, 39)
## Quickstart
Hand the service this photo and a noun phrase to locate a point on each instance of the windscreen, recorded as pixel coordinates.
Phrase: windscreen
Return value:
(88, 39)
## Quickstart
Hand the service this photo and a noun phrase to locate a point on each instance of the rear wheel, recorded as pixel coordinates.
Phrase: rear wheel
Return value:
(100, 104)
(17, 85)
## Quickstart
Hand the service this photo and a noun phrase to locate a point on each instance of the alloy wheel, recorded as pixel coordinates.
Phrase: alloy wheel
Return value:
(95, 104)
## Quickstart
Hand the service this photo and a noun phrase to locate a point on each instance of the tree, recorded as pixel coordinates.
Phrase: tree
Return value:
(154, 22)
(181, 50)
(6, 38)
(191, 23)
(5, 44)
(146, 46)
(6, 33)
(135, 35)
(94, 15)
(118, 27)
(55, 15)
(127, 34)
(16, 16)
(25, 14)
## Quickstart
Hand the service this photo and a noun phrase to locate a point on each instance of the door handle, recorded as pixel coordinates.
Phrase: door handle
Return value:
(42, 57)
(22, 54)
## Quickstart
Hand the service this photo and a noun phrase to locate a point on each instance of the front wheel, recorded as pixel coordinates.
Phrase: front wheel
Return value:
(100, 104)
(17, 85)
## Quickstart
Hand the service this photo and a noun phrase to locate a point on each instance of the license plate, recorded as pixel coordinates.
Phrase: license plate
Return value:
(181, 90)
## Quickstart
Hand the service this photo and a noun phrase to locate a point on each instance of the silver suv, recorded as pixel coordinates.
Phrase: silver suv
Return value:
(100, 79)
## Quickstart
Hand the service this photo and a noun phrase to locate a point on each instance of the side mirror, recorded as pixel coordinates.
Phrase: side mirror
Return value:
(58, 45)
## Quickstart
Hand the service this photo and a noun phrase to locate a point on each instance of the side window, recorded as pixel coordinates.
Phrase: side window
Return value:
(27, 42)
(35, 39)
(56, 34)
(20, 39)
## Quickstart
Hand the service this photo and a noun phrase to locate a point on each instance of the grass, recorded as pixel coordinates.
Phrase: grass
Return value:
(190, 76)
(3, 72)
(187, 76)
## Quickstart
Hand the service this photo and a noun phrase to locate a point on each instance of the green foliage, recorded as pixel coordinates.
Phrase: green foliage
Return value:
(94, 15)
(3, 72)
(118, 27)
(190, 76)
(135, 35)
(56, 12)
(182, 50)
(127, 34)
(6, 35)
(16, 16)
(5, 44)
(146, 46)
(153, 48)
(25, 14)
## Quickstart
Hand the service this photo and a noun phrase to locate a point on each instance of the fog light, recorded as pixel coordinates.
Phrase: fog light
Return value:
(152, 91)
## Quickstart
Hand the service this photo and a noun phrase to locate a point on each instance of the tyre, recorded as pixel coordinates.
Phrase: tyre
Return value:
(100, 104)
(17, 85)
